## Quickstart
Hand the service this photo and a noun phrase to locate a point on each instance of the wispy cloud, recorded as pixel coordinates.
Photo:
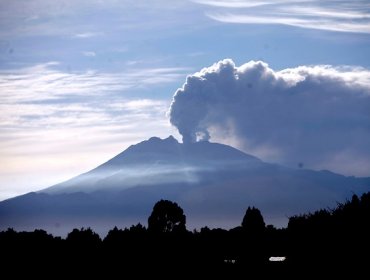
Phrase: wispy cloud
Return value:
(339, 15)
(89, 53)
(86, 35)
(234, 4)
(45, 82)
(42, 94)
(56, 124)
(73, 18)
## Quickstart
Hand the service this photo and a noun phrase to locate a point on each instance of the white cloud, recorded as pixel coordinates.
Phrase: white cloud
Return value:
(317, 115)
(73, 18)
(235, 4)
(89, 54)
(343, 16)
(86, 35)
(44, 82)
(55, 124)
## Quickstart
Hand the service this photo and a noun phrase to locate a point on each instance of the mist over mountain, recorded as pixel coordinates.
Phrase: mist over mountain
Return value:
(157, 161)
(214, 184)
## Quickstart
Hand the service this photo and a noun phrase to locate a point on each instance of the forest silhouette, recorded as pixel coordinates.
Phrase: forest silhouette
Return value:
(333, 242)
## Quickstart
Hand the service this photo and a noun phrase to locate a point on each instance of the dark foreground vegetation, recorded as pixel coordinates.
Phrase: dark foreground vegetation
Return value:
(332, 242)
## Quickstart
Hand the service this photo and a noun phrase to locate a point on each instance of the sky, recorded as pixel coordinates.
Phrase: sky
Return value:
(80, 81)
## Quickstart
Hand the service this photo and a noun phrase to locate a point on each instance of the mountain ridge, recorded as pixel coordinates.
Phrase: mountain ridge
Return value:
(147, 157)
(214, 183)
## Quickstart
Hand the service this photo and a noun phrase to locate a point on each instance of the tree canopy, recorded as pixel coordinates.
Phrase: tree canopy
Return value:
(253, 220)
(167, 216)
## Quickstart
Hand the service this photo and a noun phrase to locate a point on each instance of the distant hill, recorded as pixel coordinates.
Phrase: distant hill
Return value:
(214, 183)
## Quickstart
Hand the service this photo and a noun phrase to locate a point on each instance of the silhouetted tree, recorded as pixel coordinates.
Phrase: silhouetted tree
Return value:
(83, 237)
(138, 229)
(166, 216)
(253, 220)
(328, 240)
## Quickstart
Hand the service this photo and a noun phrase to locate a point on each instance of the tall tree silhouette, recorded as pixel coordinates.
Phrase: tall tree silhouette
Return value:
(167, 216)
(253, 220)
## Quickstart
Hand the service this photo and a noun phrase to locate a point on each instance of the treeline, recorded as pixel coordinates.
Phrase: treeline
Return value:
(334, 241)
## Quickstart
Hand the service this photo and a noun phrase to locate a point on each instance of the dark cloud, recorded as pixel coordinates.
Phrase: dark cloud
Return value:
(315, 115)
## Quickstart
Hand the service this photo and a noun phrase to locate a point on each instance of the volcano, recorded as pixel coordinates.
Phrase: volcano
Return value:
(213, 183)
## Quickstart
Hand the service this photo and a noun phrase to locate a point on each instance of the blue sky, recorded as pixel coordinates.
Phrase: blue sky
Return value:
(82, 80)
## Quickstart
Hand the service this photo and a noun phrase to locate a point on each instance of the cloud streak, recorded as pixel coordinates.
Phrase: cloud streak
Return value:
(73, 18)
(89, 54)
(86, 35)
(44, 82)
(316, 115)
(56, 124)
(341, 16)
